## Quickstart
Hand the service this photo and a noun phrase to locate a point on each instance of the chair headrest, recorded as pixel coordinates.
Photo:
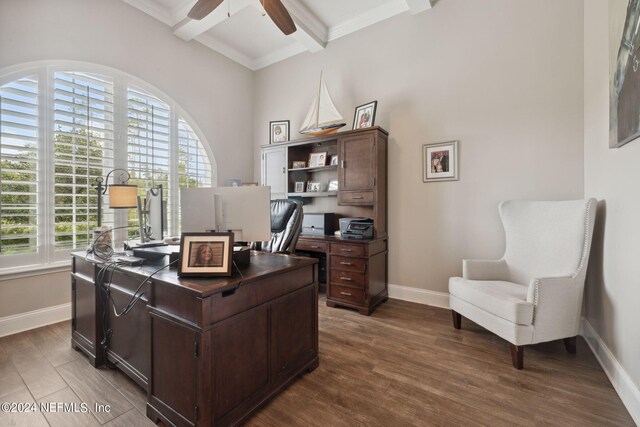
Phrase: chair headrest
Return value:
(281, 211)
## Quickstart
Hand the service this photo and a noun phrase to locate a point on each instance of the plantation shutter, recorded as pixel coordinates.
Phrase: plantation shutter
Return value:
(148, 143)
(19, 171)
(83, 126)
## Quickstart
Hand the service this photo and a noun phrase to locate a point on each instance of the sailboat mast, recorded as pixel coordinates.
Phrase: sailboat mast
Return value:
(318, 101)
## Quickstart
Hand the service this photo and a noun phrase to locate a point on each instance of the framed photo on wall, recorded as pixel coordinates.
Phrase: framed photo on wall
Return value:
(205, 254)
(365, 115)
(278, 131)
(440, 161)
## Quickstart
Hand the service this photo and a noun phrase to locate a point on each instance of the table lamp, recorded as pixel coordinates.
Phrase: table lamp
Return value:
(121, 195)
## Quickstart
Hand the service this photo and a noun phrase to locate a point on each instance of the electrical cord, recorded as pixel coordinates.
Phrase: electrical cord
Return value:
(101, 250)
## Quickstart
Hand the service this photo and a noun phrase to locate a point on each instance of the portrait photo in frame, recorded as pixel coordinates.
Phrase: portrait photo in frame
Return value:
(299, 187)
(205, 254)
(365, 115)
(440, 161)
(278, 131)
(317, 159)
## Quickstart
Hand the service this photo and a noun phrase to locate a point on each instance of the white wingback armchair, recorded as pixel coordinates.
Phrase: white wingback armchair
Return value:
(534, 293)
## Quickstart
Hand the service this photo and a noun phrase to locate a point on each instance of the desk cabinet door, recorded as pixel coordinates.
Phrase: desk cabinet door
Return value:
(294, 331)
(357, 166)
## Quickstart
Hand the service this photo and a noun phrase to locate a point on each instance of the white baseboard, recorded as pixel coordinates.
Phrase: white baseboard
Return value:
(621, 381)
(34, 319)
(421, 296)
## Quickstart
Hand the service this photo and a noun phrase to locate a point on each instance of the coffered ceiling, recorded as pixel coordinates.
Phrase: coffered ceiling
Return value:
(240, 30)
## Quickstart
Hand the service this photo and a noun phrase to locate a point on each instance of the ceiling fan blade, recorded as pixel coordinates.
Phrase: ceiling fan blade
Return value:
(202, 8)
(279, 15)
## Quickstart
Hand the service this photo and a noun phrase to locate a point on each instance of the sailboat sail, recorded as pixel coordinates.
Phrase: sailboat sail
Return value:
(323, 117)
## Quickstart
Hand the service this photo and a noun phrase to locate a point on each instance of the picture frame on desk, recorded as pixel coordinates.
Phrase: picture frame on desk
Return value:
(299, 164)
(205, 254)
(317, 159)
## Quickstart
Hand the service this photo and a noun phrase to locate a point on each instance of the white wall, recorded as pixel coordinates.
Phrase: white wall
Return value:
(613, 176)
(216, 92)
(504, 77)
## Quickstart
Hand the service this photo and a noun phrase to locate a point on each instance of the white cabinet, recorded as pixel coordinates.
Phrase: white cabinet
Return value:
(274, 171)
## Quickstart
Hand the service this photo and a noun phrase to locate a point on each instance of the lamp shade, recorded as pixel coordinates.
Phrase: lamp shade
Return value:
(123, 196)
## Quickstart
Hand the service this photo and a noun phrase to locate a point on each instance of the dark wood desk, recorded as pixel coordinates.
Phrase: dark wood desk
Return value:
(207, 351)
(356, 270)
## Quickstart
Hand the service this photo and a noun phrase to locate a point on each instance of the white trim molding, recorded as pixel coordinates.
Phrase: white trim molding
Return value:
(420, 296)
(620, 379)
(34, 319)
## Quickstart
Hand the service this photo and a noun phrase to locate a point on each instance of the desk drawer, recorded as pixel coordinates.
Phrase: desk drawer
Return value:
(346, 294)
(347, 278)
(312, 246)
(351, 264)
(355, 197)
(347, 250)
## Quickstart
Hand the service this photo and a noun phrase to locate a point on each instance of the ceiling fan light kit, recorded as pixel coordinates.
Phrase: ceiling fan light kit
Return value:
(274, 8)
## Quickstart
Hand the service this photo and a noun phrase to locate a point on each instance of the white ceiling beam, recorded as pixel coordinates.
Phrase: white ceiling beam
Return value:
(189, 29)
(417, 6)
(151, 8)
(311, 32)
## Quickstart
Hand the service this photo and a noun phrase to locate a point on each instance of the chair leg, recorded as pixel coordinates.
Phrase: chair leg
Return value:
(517, 352)
(570, 344)
(457, 319)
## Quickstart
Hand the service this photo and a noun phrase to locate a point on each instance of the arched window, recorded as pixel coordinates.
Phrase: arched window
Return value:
(62, 126)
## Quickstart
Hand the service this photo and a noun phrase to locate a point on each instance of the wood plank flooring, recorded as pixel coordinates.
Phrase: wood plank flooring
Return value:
(403, 366)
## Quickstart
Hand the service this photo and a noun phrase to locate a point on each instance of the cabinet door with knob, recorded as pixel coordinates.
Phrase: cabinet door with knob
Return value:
(274, 171)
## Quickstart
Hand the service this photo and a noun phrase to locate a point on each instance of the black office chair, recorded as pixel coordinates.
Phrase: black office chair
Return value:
(286, 224)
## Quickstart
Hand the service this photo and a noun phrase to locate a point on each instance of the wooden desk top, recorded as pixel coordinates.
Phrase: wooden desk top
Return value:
(263, 265)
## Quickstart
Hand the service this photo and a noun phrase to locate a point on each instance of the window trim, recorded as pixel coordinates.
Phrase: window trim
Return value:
(45, 70)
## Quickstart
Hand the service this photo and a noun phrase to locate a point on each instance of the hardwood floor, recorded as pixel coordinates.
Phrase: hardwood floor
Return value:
(404, 365)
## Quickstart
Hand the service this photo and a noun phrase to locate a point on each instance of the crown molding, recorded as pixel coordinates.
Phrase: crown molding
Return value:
(151, 8)
(385, 11)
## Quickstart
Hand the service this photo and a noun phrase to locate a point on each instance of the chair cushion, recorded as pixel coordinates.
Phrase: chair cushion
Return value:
(504, 299)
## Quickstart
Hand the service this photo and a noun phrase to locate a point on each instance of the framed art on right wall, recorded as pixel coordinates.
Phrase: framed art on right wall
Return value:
(440, 161)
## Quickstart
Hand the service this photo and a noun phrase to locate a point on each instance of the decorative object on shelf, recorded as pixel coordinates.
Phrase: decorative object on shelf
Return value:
(317, 159)
(334, 160)
(279, 131)
(333, 184)
(205, 254)
(323, 117)
(249, 184)
(440, 161)
(299, 187)
(624, 78)
(274, 8)
(234, 182)
(121, 196)
(299, 164)
(365, 115)
(313, 187)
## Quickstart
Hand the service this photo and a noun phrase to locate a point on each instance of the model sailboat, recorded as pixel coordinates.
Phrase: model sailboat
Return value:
(323, 117)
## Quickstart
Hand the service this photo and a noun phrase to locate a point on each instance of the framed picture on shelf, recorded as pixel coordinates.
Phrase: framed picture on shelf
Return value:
(205, 254)
(234, 182)
(279, 131)
(365, 115)
(440, 161)
(299, 164)
(317, 159)
(334, 160)
(313, 187)
(333, 184)
(299, 187)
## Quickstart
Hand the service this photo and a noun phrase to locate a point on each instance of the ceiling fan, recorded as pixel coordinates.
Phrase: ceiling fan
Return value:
(274, 8)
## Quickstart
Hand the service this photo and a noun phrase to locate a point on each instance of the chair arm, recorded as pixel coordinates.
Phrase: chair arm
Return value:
(473, 269)
(557, 301)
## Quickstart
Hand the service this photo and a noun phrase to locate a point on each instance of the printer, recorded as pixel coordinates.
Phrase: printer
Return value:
(356, 228)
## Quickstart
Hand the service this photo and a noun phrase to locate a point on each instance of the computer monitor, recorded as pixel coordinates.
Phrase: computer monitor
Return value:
(244, 210)
(197, 210)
